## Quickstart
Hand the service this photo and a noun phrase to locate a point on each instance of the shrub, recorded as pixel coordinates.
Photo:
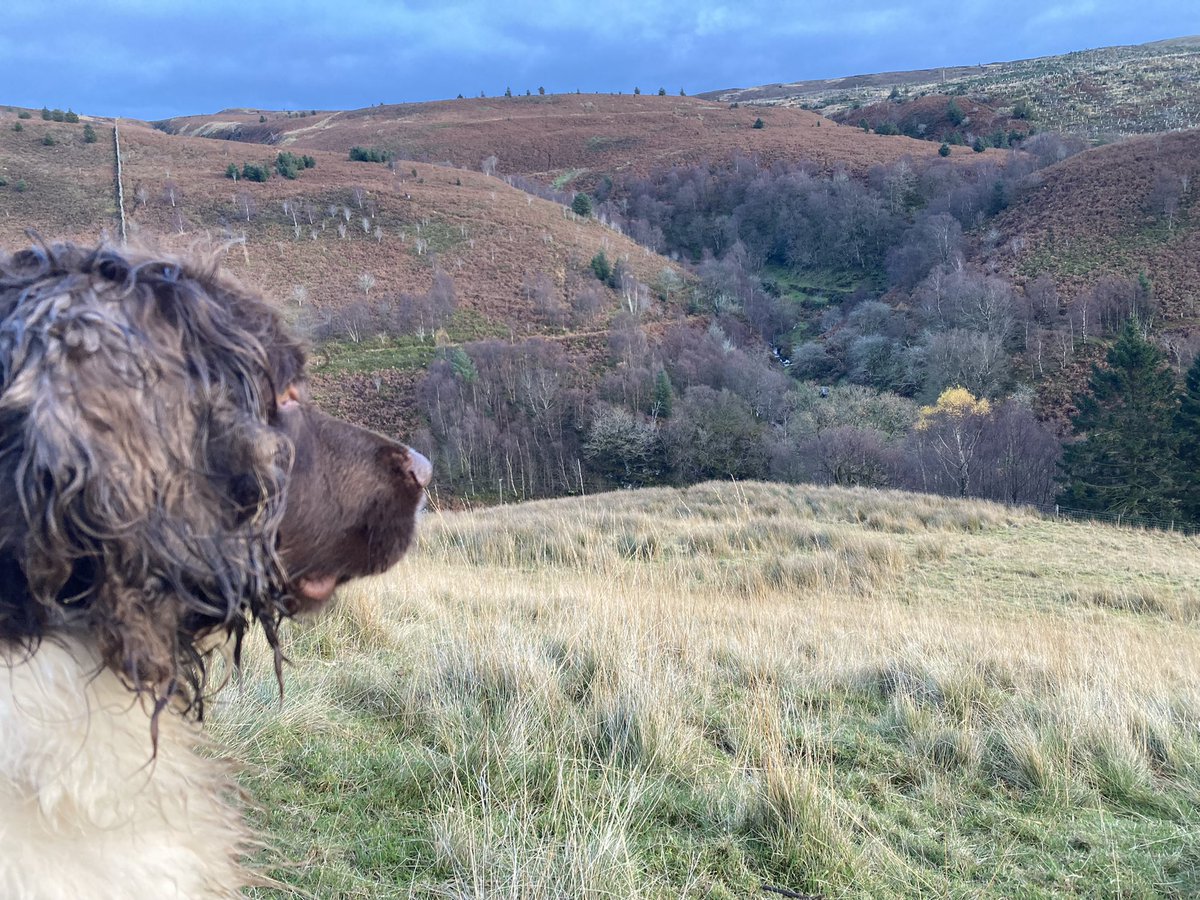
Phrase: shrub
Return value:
(24, 114)
(978, 146)
(17, 126)
(954, 112)
(662, 92)
(252, 172)
(71, 116)
(582, 204)
(3, 181)
(262, 118)
(601, 266)
(231, 171)
(888, 128)
(289, 165)
(49, 141)
(944, 150)
(46, 114)
(20, 186)
(370, 154)
(759, 123)
(58, 115)
(89, 134)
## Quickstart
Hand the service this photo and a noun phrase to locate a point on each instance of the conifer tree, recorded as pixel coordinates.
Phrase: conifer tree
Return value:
(1124, 460)
(662, 397)
(1187, 431)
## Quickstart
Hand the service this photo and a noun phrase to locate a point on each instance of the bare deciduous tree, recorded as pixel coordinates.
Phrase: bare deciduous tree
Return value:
(246, 205)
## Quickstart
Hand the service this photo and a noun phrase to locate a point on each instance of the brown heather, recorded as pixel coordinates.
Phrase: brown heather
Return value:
(574, 136)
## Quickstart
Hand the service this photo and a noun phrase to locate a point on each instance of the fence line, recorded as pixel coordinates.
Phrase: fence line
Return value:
(1123, 520)
(120, 185)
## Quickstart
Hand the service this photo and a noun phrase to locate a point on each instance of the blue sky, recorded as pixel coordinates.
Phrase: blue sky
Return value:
(152, 58)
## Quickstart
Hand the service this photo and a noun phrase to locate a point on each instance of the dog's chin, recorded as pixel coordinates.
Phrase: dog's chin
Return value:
(314, 591)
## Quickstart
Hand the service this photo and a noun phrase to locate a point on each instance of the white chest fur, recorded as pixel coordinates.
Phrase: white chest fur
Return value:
(86, 810)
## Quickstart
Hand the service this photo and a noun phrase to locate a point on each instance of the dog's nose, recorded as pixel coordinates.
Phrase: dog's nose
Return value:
(421, 467)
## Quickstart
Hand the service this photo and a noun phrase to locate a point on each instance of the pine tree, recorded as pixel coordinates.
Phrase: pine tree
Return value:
(662, 397)
(1124, 460)
(582, 205)
(1187, 431)
(601, 266)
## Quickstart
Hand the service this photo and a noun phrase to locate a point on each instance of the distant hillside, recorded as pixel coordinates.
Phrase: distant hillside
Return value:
(341, 237)
(936, 117)
(1124, 209)
(445, 304)
(566, 139)
(1098, 93)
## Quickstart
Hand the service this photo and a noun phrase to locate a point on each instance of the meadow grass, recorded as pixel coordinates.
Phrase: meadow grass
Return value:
(693, 693)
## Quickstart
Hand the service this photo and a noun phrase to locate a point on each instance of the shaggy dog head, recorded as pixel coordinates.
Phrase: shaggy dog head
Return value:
(163, 479)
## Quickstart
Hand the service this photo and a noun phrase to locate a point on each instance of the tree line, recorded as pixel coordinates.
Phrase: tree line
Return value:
(527, 419)
(897, 363)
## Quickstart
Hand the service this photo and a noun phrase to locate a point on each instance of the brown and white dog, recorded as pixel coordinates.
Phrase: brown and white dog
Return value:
(164, 485)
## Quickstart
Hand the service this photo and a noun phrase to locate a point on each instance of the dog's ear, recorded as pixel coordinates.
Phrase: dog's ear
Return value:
(147, 482)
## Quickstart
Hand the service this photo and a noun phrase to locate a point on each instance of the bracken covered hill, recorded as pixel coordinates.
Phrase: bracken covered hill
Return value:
(342, 233)
(1125, 209)
(566, 139)
(482, 232)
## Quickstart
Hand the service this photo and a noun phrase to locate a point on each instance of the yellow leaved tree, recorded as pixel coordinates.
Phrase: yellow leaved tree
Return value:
(952, 429)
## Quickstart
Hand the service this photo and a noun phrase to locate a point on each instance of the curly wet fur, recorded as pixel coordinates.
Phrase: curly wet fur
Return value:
(142, 484)
(164, 484)
(84, 812)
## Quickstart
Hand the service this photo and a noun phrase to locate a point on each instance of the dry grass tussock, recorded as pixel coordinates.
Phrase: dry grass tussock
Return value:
(688, 693)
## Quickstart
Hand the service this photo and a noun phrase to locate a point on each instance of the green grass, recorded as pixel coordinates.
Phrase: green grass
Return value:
(601, 143)
(816, 287)
(373, 355)
(561, 181)
(401, 352)
(1125, 254)
(692, 693)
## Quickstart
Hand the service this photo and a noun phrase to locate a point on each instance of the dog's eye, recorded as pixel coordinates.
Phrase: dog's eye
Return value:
(290, 398)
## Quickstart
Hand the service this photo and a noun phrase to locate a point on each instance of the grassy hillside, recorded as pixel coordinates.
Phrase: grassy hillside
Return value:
(567, 139)
(1099, 93)
(694, 693)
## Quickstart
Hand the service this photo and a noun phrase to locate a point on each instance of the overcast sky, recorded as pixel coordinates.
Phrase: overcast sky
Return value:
(151, 58)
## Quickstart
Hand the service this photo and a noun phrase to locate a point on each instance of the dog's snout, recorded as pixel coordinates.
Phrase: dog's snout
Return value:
(422, 468)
